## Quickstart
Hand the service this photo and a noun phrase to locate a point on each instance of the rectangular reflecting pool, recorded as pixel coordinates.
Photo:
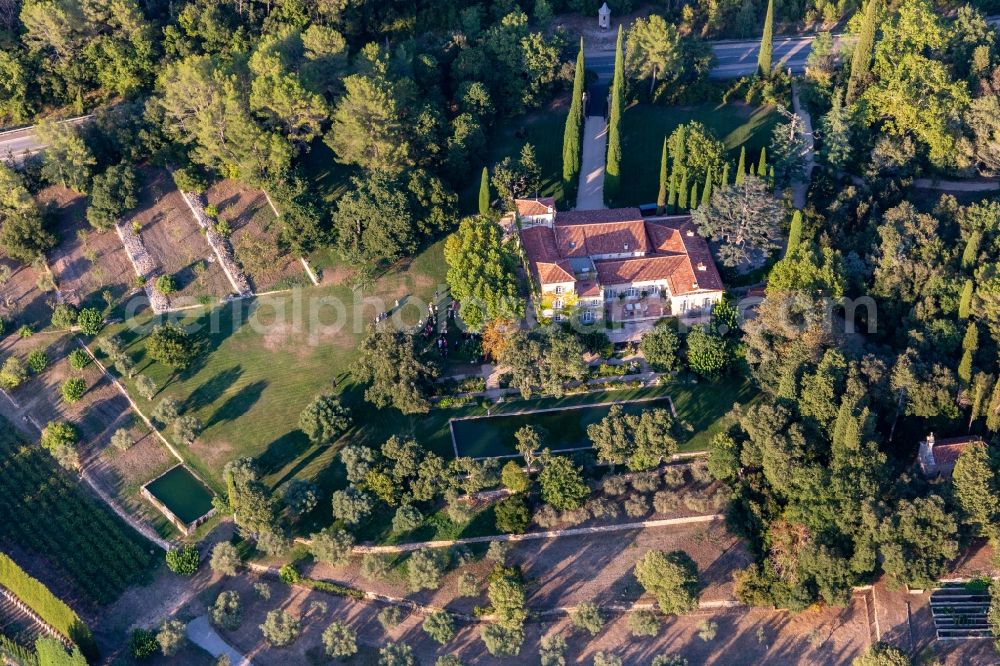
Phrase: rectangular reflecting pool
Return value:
(181, 497)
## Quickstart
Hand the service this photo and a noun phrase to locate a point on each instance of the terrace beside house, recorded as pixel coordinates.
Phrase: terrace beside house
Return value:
(613, 264)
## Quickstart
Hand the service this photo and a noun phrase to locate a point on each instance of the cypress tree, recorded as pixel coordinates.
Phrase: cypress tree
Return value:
(861, 62)
(612, 176)
(693, 199)
(725, 175)
(706, 192)
(993, 409)
(661, 195)
(971, 252)
(571, 133)
(762, 163)
(981, 385)
(770, 177)
(970, 343)
(682, 192)
(753, 169)
(794, 233)
(766, 52)
(484, 193)
(672, 196)
(965, 301)
(742, 166)
(680, 148)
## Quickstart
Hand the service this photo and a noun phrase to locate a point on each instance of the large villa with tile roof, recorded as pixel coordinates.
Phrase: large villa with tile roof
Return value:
(614, 263)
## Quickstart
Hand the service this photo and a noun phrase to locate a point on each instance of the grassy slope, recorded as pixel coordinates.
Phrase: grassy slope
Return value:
(644, 127)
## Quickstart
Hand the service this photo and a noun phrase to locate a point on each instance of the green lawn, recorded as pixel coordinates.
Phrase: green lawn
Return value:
(644, 127)
(543, 129)
(253, 377)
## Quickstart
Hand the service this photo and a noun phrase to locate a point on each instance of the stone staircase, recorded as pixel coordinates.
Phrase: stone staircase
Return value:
(960, 612)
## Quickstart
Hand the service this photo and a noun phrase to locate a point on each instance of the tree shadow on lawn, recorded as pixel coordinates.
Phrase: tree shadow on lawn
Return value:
(239, 404)
(213, 388)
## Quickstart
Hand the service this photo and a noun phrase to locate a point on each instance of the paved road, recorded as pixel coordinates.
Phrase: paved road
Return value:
(14, 144)
(201, 633)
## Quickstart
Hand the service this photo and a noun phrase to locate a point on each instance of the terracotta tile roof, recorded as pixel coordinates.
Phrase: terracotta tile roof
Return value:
(588, 240)
(946, 455)
(543, 256)
(539, 206)
(673, 251)
(588, 289)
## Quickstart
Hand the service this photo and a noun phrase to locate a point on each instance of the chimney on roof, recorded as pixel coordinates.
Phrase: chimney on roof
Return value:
(926, 456)
(702, 266)
(690, 232)
(626, 246)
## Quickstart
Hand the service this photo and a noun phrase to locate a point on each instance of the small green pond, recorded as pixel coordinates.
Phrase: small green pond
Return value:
(564, 428)
(182, 493)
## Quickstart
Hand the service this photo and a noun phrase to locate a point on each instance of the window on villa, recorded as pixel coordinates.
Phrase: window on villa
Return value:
(707, 304)
(557, 304)
(559, 290)
(588, 316)
(558, 317)
(632, 291)
(684, 305)
(609, 294)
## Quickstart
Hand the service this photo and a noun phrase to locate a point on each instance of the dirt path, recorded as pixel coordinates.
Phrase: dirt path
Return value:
(551, 534)
(801, 188)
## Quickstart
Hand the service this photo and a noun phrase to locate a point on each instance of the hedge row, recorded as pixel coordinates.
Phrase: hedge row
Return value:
(48, 606)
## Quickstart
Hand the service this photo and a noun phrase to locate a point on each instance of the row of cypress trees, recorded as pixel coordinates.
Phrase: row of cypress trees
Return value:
(572, 134)
(613, 170)
(676, 194)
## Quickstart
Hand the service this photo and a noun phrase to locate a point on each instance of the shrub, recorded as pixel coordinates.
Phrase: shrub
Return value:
(37, 361)
(273, 542)
(289, 575)
(166, 411)
(225, 559)
(374, 566)
(552, 650)
(145, 386)
(669, 660)
(615, 485)
(190, 179)
(171, 345)
(183, 561)
(670, 577)
(883, 654)
(468, 585)
(498, 551)
(644, 623)
(263, 590)
(142, 644)
(390, 616)
(171, 637)
(280, 628)
(25, 332)
(502, 641)
(78, 359)
(587, 617)
(90, 321)
(187, 428)
(636, 506)
(603, 508)
(547, 517)
(407, 518)
(324, 420)
(332, 546)
(423, 571)
(607, 659)
(514, 478)
(673, 476)
(351, 505)
(512, 515)
(659, 347)
(448, 660)
(63, 316)
(396, 654)
(12, 373)
(646, 482)
(666, 501)
(340, 641)
(440, 626)
(695, 503)
(73, 389)
(122, 440)
(227, 611)
(574, 516)
(707, 630)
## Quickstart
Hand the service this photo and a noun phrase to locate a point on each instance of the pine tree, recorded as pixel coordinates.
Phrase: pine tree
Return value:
(767, 42)
(706, 192)
(682, 192)
(861, 62)
(742, 166)
(484, 193)
(725, 176)
(612, 175)
(661, 195)
(762, 163)
(971, 252)
(794, 232)
(970, 343)
(571, 132)
(693, 198)
(965, 301)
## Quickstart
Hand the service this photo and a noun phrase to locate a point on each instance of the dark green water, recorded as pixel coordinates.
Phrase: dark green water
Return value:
(565, 428)
(182, 493)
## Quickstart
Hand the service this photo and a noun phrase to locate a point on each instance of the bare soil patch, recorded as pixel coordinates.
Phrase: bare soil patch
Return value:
(21, 300)
(255, 236)
(174, 240)
(86, 262)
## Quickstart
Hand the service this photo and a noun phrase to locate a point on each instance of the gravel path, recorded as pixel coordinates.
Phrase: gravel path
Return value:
(801, 188)
(201, 633)
(590, 195)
